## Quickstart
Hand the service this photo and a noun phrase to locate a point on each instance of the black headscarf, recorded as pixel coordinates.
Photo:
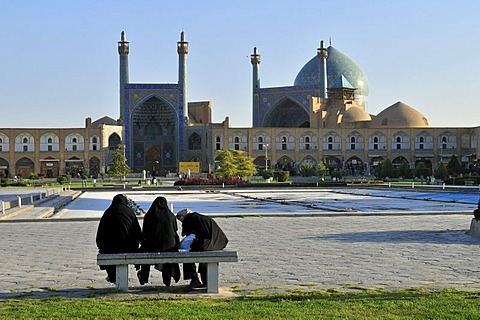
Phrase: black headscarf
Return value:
(159, 228)
(118, 230)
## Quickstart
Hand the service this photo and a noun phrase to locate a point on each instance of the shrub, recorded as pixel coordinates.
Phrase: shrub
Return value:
(191, 181)
(336, 174)
(4, 182)
(211, 180)
(441, 172)
(267, 174)
(307, 170)
(64, 178)
(33, 176)
(281, 176)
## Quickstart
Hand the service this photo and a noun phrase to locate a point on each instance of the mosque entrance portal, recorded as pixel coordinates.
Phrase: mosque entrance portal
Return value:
(154, 137)
(154, 160)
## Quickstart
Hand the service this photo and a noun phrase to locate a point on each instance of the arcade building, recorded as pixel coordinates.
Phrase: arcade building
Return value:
(322, 117)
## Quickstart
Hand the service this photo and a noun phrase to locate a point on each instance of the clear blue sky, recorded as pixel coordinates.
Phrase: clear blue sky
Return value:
(59, 60)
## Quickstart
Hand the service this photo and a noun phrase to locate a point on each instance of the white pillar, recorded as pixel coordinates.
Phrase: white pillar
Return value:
(3, 207)
(212, 277)
(19, 202)
(122, 277)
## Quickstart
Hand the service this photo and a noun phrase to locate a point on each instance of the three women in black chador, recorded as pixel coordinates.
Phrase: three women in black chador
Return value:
(119, 231)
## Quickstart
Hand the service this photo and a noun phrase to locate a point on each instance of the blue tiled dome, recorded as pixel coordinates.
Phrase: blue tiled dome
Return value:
(338, 64)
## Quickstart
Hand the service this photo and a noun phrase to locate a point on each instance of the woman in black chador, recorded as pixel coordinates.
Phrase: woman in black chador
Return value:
(208, 237)
(118, 231)
(160, 234)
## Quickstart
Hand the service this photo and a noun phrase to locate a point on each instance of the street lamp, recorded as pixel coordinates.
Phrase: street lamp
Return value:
(266, 156)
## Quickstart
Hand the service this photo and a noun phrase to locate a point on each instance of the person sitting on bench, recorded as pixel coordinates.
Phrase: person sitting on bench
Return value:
(159, 235)
(118, 231)
(208, 237)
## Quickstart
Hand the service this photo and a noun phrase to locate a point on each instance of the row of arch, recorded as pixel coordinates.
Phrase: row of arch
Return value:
(50, 167)
(333, 141)
(353, 165)
(25, 142)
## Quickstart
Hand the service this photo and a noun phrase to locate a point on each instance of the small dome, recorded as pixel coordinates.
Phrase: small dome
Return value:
(338, 64)
(355, 114)
(400, 115)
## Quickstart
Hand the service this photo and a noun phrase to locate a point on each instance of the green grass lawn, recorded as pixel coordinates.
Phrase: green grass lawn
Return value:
(404, 304)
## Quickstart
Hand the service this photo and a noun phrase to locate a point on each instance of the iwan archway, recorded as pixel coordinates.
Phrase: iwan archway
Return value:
(154, 137)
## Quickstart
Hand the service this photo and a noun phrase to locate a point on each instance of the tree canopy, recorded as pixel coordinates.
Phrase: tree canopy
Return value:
(454, 167)
(231, 163)
(119, 167)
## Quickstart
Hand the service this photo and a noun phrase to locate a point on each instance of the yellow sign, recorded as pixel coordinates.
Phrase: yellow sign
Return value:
(194, 167)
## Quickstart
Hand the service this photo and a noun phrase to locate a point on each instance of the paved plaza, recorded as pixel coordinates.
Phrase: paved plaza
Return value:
(277, 251)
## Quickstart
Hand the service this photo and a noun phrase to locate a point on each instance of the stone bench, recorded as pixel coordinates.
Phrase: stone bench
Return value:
(122, 260)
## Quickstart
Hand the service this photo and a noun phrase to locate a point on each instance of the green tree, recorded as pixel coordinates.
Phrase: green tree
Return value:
(403, 170)
(387, 168)
(119, 167)
(441, 172)
(422, 170)
(337, 174)
(307, 170)
(231, 163)
(225, 164)
(245, 165)
(321, 169)
(378, 170)
(454, 167)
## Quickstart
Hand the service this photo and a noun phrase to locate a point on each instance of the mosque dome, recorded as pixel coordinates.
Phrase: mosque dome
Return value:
(338, 64)
(355, 114)
(400, 115)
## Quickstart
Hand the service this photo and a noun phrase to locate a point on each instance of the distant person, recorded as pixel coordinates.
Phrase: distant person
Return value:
(159, 235)
(118, 232)
(208, 237)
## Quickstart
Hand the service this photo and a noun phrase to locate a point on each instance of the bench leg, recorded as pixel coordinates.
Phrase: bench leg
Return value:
(122, 277)
(212, 277)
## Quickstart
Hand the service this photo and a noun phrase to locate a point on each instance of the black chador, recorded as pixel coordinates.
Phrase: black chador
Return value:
(160, 234)
(118, 231)
(208, 237)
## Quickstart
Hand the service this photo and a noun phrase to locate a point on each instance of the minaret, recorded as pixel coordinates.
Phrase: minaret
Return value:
(123, 50)
(182, 49)
(322, 54)
(255, 59)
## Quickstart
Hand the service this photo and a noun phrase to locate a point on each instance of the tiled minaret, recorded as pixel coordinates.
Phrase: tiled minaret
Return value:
(322, 54)
(182, 49)
(123, 50)
(255, 59)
